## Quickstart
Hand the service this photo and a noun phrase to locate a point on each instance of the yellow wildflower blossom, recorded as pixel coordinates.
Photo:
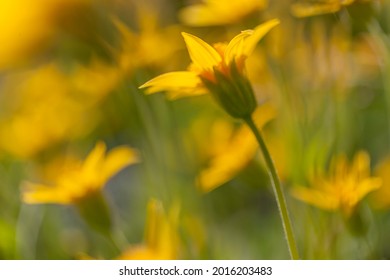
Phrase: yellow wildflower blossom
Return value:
(33, 120)
(218, 70)
(345, 187)
(219, 12)
(161, 237)
(27, 27)
(82, 179)
(139, 49)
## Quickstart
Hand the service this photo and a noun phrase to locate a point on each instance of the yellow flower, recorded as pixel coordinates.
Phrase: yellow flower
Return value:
(161, 236)
(33, 120)
(139, 49)
(218, 70)
(345, 187)
(219, 12)
(82, 179)
(314, 8)
(27, 28)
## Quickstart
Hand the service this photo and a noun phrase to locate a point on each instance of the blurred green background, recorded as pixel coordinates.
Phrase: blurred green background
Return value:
(69, 77)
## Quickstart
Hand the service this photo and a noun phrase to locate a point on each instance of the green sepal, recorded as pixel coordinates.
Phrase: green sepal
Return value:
(232, 92)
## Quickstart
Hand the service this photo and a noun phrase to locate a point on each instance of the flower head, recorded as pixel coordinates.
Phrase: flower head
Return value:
(218, 70)
(82, 179)
(345, 187)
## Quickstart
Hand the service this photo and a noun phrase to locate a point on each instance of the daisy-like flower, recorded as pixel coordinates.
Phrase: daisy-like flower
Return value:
(219, 70)
(82, 179)
(80, 184)
(345, 187)
(219, 12)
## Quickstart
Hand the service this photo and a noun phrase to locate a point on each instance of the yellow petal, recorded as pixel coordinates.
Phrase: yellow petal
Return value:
(301, 10)
(235, 48)
(180, 83)
(198, 15)
(139, 252)
(93, 163)
(361, 165)
(155, 215)
(368, 185)
(316, 198)
(202, 54)
(37, 194)
(217, 12)
(117, 159)
(258, 33)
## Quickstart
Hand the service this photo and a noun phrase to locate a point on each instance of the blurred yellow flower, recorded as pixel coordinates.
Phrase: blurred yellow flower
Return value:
(26, 27)
(80, 180)
(233, 150)
(37, 111)
(219, 12)
(139, 49)
(218, 70)
(314, 8)
(345, 186)
(161, 241)
(44, 106)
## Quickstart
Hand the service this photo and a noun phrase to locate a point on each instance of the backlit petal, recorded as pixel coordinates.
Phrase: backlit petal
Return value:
(235, 47)
(258, 33)
(202, 54)
(174, 82)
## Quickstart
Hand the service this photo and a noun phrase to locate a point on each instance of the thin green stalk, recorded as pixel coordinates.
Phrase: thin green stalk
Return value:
(277, 190)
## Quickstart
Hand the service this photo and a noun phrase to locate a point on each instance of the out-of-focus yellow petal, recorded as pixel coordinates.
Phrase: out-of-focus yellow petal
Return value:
(36, 193)
(139, 252)
(301, 10)
(219, 12)
(258, 33)
(202, 54)
(161, 238)
(316, 198)
(182, 83)
(93, 163)
(78, 181)
(368, 186)
(380, 199)
(361, 165)
(117, 159)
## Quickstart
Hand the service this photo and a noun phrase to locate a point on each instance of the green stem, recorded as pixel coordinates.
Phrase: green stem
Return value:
(277, 190)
